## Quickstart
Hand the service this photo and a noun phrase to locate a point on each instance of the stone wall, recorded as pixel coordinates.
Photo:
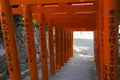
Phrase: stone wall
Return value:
(21, 44)
(22, 51)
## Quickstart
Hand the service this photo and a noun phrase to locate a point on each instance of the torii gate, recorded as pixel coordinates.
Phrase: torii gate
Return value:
(100, 16)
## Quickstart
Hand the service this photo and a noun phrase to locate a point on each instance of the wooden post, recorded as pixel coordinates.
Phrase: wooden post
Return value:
(67, 49)
(72, 44)
(65, 44)
(96, 52)
(69, 46)
(58, 62)
(99, 28)
(110, 37)
(9, 40)
(29, 29)
(43, 49)
(95, 47)
(62, 48)
(51, 50)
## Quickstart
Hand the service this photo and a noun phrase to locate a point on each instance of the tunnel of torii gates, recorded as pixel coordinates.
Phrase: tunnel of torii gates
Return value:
(66, 16)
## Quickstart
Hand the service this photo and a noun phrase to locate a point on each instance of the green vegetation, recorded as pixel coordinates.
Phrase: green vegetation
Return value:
(18, 20)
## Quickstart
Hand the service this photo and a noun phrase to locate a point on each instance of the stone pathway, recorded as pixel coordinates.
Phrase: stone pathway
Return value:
(81, 67)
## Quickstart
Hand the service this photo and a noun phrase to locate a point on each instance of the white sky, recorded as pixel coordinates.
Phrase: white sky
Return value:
(83, 35)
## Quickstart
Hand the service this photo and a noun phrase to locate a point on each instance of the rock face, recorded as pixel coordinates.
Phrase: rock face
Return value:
(21, 43)
(3, 62)
(22, 52)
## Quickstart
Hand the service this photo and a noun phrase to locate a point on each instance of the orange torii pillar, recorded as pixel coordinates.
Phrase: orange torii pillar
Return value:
(30, 43)
(9, 40)
(58, 50)
(100, 38)
(71, 34)
(65, 44)
(96, 52)
(62, 48)
(67, 50)
(51, 50)
(110, 39)
(43, 49)
(60, 44)
(69, 45)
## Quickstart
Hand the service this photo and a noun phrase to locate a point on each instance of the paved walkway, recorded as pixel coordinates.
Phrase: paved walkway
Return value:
(81, 67)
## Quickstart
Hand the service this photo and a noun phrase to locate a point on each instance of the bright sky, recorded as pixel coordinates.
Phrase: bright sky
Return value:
(83, 35)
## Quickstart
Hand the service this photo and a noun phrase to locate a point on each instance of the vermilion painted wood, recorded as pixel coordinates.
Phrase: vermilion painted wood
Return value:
(51, 50)
(77, 20)
(10, 40)
(71, 43)
(58, 49)
(60, 52)
(99, 27)
(110, 37)
(58, 9)
(30, 42)
(68, 56)
(62, 48)
(17, 2)
(97, 17)
(95, 48)
(43, 50)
